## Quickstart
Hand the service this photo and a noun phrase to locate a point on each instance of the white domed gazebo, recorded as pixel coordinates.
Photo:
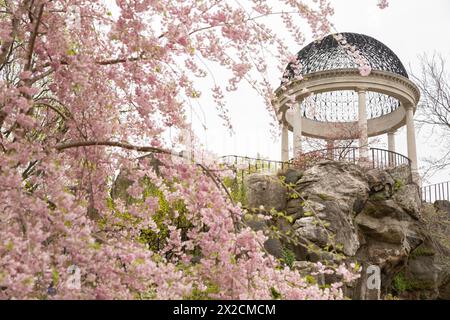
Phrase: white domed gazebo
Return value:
(330, 94)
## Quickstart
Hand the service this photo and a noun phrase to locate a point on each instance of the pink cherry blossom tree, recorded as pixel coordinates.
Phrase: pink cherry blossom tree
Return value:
(88, 88)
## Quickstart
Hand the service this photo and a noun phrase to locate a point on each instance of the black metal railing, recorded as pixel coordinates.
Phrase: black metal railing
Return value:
(377, 158)
(253, 165)
(384, 159)
(438, 191)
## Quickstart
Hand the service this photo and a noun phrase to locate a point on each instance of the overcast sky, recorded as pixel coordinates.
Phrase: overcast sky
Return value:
(408, 27)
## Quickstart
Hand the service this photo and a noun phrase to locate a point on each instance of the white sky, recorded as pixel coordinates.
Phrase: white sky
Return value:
(408, 27)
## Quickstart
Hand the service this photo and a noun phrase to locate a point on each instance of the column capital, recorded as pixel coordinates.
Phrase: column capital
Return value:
(408, 106)
(361, 90)
(279, 116)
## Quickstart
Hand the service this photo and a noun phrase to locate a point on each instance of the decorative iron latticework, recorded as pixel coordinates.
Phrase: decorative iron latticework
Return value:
(329, 54)
(342, 106)
(379, 104)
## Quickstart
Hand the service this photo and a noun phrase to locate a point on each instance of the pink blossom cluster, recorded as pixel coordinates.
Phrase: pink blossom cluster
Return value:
(79, 104)
(363, 65)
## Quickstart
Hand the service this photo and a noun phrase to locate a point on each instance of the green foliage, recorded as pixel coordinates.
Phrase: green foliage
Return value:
(401, 283)
(293, 195)
(55, 277)
(289, 219)
(397, 184)
(310, 279)
(288, 257)
(275, 294)
(165, 214)
(421, 251)
(168, 213)
(197, 294)
(236, 188)
(339, 247)
(308, 213)
(357, 266)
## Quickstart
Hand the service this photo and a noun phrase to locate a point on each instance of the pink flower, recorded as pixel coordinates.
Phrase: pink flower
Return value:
(365, 70)
(25, 75)
(240, 69)
(184, 41)
(382, 4)
(53, 87)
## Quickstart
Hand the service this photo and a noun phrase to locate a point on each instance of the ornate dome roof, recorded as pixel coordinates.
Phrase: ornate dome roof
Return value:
(329, 54)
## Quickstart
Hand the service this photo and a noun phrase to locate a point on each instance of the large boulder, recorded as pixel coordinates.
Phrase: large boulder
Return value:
(332, 190)
(380, 180)
(408, 198)
(265, 190)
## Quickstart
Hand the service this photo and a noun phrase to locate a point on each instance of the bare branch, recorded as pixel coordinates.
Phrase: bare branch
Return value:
(123, 145)
(434, 112)
(33, 38)
(43, 104)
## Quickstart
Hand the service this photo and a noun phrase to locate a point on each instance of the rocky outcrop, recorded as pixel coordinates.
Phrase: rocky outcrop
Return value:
(427, 272)
(340, 211)
(265, 190)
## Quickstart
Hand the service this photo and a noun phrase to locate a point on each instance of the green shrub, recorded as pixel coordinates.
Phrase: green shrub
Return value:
(401, 283)
(236, 188)
(288, 257)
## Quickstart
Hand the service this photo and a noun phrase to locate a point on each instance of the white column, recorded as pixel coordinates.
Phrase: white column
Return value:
(284, 142)
(391, 141)
(362, 125)
(391, 147)
(297, 126)
(411, 139)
